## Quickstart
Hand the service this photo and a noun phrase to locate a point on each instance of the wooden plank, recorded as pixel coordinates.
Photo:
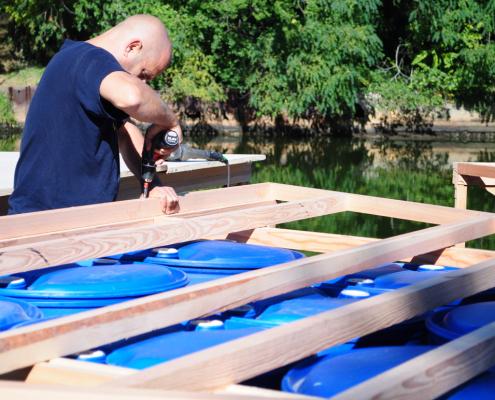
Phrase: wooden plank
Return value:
(244, 390)
(130, 188)
(28, 224)
(65, 371)
(215, 210)
(127, 224)
(68, 335)
(290, 192)
(407, 210)
(62, 251)
(433, 373)
(328, 242)
(261, 352)
(29, 391)
(460, 197)
(486, 170)
(12, 226)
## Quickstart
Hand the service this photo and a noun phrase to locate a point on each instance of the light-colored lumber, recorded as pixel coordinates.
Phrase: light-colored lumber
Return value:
(62, 251)
(328, 242)
(130, 188)
(243, 390)
(127, 224)
(28, 391)
(434, 373)
(460, 196)
(68, 335)
(290, 192)
(407, 210)
(486, 170)
(460, 203)
(215, 210)
(261, 352)
(13, 226)
(65, 371)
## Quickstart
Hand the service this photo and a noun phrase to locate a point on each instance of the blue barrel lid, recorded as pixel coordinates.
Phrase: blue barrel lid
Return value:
(101, 281)
(330, 375)
(222, 254)
(173, 345)
(479, 388)
(13, 312)
(455, 322)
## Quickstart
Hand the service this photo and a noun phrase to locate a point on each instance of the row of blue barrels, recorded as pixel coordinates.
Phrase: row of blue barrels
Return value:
(95, 283)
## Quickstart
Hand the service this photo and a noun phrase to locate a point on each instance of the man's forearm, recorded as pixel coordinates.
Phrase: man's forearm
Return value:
(137, 99)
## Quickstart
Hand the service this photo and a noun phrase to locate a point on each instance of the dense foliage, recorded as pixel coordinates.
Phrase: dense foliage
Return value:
(316, 59)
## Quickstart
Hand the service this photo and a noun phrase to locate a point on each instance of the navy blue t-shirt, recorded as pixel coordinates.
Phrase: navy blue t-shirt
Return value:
(69, 150)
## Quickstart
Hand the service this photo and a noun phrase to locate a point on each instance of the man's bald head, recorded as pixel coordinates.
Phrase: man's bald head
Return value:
(140, 44)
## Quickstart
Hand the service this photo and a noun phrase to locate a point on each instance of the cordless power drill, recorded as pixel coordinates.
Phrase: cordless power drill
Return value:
(163, 140)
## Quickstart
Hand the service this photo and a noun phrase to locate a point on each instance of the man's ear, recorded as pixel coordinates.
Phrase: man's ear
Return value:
(133, 48)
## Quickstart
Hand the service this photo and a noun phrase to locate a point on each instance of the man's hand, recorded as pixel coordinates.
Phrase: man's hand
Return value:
(152, 131)
(169, 200)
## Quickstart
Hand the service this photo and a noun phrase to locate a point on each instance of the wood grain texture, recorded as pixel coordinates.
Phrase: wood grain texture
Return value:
(407, 210)
(433, 373)
(328, 242)
(62, 251)
(486, 170)
(264, 351)
(32, 344)
(68, 233)
(28, 391)
(14, 226)
(65, 371)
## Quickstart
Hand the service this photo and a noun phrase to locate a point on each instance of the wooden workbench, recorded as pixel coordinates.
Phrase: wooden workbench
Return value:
(181, 175)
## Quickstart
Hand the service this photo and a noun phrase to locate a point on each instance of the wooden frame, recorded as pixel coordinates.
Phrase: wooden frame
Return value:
(38, 240)
(468, 174)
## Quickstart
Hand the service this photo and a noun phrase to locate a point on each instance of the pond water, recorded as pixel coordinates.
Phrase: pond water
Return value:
(404, 167)
(413, 168)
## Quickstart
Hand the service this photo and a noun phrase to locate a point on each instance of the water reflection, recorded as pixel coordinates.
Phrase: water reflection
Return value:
(412, 170)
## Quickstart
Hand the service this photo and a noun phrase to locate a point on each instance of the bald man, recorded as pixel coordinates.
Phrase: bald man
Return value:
(79, 119)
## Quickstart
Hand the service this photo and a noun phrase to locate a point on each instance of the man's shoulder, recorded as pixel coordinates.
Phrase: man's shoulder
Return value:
(82, 49)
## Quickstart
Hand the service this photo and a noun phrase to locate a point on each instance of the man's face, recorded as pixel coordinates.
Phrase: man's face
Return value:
(146, 66)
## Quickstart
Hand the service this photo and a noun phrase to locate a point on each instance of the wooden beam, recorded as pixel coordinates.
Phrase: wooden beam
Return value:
(68, 335)
(65, 371)
(69, 372)
(130, 188)
(328, 242)
(434, 373)
(13, 226)
(243, 390)
(486, 170)
(261, 352)
(62, 251)
(127, 224)
(407, 210)
(28, 391)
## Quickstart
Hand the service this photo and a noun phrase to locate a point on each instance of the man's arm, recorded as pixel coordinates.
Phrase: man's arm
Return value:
(137, 99)
(131, 144)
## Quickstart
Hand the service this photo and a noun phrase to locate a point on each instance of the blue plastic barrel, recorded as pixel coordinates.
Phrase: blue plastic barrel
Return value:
(177, 343)
(14, 312)
(330, 375)
(208, 260)
(449, 324)
(480, 388)
(77, 287)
